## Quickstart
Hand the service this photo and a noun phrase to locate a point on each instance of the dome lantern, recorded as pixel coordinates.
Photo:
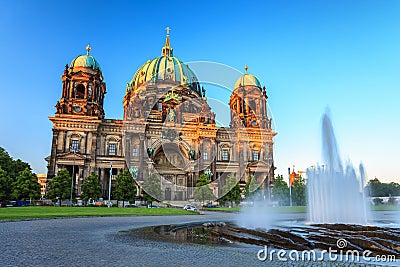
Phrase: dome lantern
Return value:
(167, 50)
(88, 48)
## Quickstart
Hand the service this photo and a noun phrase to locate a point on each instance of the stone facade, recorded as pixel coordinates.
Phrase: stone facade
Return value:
(168, 128)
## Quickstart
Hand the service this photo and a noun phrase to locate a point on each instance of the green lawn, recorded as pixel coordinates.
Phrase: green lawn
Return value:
(12, 213)
(385, 207)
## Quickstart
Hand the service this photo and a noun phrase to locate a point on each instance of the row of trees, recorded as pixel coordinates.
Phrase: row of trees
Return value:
(60, 187)
(17, 181)
(233, 194)
(377, 189)
(125, 188)
(281, 192)
(231, 190)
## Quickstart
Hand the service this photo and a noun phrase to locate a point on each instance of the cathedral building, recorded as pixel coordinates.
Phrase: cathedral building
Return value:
(167, 128)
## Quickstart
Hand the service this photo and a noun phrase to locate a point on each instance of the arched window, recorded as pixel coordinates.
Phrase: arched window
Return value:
(80, 91)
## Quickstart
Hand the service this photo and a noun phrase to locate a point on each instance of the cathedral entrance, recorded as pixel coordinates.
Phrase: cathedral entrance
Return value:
(74, 173)
(172, 163)
(167, 193)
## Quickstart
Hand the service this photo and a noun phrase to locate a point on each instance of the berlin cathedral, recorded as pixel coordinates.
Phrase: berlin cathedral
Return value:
(167, 128)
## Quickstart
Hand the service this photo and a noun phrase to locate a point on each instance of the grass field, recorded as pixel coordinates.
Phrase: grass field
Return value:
(12, 213)
(384, 207)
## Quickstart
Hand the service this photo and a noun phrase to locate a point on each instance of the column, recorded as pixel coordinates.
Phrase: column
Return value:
(103, 182)
(60, 141)
(52, 162)
(142, 155)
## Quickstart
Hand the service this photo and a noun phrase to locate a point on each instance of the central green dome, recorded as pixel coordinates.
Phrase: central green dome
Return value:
(165, 68)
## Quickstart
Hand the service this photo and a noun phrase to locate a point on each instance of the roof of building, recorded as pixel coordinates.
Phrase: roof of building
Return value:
(247, 80)
(86, 61)
(166, 68)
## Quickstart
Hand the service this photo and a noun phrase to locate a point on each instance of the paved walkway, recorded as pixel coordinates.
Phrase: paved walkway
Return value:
(96, 241)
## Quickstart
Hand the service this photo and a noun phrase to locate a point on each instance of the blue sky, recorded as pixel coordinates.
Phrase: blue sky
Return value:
(309, 55)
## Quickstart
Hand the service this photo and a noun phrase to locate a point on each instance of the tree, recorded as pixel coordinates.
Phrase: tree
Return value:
(392, 201)
(377, 201)
(251, 188)
(280, 191)
(299, 191)
(19, 166)
(6, 162)
(26, 186)
(5, 186)
(60, 186)
(393, 189)
(91, 187)
(202, 191)
(231, 191)
(125, 189)
(377, 189)
(11, 166)
(152, 189)
(10, 169)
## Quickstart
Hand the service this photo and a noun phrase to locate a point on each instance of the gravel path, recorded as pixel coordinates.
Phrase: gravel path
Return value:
(99, 241)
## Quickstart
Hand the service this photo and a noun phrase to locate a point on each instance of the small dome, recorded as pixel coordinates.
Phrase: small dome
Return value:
(86, 61)
(247, 80)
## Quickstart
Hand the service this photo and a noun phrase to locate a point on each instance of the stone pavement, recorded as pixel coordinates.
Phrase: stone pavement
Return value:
(99, 241)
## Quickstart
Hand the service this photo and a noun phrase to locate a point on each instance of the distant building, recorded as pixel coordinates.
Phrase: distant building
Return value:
(294, 176)
(42, 180)
(168, 128)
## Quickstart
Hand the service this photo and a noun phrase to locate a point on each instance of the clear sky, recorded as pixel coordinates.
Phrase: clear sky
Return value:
(309, 55)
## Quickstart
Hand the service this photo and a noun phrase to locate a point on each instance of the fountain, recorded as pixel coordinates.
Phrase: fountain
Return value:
(337, 215)
(335, 194)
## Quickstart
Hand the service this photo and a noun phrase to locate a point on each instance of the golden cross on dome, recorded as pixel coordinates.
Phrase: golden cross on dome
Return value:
(167, 50)
(246, 68)
(88, 48)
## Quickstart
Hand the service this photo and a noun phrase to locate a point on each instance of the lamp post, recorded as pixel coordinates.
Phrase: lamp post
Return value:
(290, 188)
(74, 150)
(109, 187)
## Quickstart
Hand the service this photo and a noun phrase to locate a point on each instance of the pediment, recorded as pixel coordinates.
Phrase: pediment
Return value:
(71, 156)
(259, 164)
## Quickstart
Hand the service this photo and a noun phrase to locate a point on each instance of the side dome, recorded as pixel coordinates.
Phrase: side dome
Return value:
(247, 80)
(86, 61)
(166, 68)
